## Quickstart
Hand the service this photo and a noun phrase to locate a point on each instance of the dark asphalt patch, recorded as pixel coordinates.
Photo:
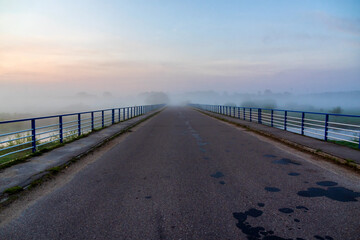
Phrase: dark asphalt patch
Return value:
(148, 197)
(285, 161)
(222, 182)
(250, 231)
(340, 194)
(327, 183)
(296, 220)
(206, 158)
(286, 210)
(217, 175)
(272, 189)
(261, 204)
(294, 174)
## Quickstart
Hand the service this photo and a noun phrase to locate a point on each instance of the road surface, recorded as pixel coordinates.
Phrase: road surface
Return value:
(184, 175)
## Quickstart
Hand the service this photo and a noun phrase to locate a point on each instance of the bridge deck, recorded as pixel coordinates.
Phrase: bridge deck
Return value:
(184, 175)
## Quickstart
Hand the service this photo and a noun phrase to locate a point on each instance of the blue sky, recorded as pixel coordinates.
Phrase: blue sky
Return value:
(174, 46)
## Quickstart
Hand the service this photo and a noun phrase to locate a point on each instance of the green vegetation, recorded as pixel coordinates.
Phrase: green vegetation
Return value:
(55, 170)
(345, 143)
(13, 190)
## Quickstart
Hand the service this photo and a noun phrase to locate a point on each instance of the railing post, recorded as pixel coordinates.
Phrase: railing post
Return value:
(250, 115)
(102, 118)
(272, 117)
(238, 112)
(127, 111)
(123, 114)
(92, 121)
(61, 135)
(79, 124)
(285, 118)
(326, 126)
(302, 123)
(112, 116)
(33, 133)
(259, 115)
(119, 115)
(244, 114)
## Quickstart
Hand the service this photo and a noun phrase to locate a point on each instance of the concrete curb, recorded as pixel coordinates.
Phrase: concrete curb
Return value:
(66, 160)
(323, 154)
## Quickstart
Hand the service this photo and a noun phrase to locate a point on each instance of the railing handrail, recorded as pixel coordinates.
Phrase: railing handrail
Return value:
(285, 110)
(295, 124)
(68, 114)
(61, 131)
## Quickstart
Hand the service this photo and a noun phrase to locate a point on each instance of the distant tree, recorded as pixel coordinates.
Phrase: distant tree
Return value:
(336, 110)
(267, 92)
(249, 104)
(107, 94)
(155, 97)
(230, 104)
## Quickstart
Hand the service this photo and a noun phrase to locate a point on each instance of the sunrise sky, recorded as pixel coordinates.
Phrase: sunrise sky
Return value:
(189, 45)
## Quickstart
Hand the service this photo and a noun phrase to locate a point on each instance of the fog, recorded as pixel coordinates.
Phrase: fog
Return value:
(37, 103)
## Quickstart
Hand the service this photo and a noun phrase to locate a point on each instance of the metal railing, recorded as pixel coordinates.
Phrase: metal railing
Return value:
(32, 133)
(326, 126)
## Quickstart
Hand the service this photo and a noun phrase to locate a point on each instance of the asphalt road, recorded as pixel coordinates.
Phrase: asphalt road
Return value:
(184, 175)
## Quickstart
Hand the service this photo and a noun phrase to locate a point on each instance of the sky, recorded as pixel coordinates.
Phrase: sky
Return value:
(54, 47)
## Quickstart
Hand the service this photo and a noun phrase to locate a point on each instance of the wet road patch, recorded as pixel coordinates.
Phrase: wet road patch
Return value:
(323, 238)
(302, 207)
(294, 174)
(222, 182)
(340, 194)
(250, 231)
(261, 204)
(327, 183)
(217, 175)
(285, 161)
(286, 210)
(147, 197)
(272, 189)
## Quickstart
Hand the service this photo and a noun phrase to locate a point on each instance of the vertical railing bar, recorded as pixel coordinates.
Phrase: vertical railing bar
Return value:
(326, 127)
(302, 123)
(33, 133)
(79, 124)
(259, 116)
(92, 121)
(61, 131)
(102, 118)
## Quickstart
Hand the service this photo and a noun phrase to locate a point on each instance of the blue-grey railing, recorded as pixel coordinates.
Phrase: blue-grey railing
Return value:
(31, 133)
(326, 126)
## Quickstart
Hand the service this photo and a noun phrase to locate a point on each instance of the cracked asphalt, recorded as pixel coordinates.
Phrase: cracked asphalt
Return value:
(184, 175)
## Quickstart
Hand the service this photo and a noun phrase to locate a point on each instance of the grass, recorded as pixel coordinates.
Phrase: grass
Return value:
(345, 143)
(13, 190)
